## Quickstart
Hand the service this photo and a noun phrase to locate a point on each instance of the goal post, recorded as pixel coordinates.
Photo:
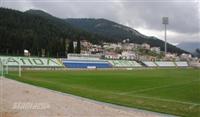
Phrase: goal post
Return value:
(20, 70)
(5, 67)
(1, 67)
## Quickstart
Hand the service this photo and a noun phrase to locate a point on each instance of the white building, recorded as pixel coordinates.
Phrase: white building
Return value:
(112, 46)
(27, 53)
(112, 55)
(185, 56)
(146, 46)
(155, 49)
(86, 44)
(130, 55)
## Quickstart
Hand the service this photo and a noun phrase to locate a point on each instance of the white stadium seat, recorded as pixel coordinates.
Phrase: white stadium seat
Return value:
(182, 64)
(136, 64)
(124, 63)
(149, 63)
(165, 64)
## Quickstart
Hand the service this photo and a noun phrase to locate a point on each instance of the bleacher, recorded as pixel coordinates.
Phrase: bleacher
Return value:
(149, 63)
(86, 64)
(182, 64)
(124, 63)
(165, 64)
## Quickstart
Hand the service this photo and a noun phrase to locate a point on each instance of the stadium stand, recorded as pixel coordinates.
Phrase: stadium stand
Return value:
(86, 64)
(31, 61)
(165, 64)
(149, 64)
(80, 62)
(124, 63)
(182, 64)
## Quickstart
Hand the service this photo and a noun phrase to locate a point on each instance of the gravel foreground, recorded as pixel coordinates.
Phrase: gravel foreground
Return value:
(23, 100)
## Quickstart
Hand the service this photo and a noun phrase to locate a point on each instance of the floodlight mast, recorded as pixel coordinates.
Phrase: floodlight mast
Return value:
(165, 21)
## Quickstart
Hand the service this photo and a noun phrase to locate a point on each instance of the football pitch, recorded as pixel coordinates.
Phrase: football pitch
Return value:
(172, 91)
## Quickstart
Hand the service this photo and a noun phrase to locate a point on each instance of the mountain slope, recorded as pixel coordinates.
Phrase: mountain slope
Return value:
(105, 27)
(110, 31)
(24, 30)
(35, 30)
(119, 32)
(94, 38)
(189, 46)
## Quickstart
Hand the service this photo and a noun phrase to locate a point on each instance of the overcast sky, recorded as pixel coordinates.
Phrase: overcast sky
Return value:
(142, 15)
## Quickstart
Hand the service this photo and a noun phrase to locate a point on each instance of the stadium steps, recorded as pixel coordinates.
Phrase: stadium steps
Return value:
(175, 64)
(143, 64)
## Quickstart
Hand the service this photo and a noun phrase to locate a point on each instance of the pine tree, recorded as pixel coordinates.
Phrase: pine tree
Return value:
(71, 47)
(78, 47)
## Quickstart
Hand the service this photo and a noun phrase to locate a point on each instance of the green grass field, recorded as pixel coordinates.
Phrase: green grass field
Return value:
(172, 91)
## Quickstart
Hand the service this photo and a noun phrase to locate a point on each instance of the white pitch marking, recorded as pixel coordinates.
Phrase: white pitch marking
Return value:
(166, 100)
(148, 89)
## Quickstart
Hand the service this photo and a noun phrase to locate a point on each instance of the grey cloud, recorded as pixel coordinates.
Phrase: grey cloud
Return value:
(183, 16)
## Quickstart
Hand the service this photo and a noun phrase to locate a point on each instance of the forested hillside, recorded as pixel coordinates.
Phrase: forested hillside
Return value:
(19, 31)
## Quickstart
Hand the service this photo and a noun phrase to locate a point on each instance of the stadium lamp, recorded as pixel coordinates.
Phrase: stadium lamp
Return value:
(165, 21)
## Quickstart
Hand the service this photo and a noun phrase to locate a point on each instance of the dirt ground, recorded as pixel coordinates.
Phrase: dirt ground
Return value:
(22, 100)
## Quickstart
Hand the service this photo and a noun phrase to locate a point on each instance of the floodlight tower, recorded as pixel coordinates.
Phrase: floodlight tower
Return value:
(165, 21)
